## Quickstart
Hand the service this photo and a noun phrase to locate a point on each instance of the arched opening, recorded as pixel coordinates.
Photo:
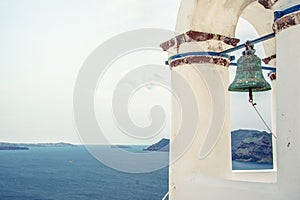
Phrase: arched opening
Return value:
(253, 146)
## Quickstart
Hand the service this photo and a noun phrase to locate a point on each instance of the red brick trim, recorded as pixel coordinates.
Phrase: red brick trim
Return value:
(272, 76)
(268, 59)
(267, 3)
(199, 60)
(196, 36)
(286, 21)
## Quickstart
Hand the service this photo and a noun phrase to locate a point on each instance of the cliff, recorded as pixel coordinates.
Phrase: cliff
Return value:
(162, 145)
(246, 146)
(251, 146)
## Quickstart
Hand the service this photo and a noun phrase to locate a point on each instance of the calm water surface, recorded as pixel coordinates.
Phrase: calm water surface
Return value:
(72, 173)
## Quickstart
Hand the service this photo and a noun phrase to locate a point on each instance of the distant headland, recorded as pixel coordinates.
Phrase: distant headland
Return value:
(26, 146)
(162, 145)
(120, 146)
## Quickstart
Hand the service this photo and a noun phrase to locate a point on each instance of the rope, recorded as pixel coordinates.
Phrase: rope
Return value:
(262, 119)
(167, 194)
(258, 113)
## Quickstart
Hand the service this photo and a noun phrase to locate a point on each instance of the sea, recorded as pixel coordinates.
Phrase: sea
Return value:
(251, 166)
(72, 173)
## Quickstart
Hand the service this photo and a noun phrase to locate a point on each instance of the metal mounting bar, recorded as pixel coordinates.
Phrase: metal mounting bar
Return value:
(225, 53)
(201, 53)
(279, 14)
(258, 40)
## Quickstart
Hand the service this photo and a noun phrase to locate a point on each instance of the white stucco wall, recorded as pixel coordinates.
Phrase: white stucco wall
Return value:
(198, 175)
(288, 109)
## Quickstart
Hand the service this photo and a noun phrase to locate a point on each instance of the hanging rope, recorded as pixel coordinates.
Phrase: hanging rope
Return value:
(167, 194)
(258, 113)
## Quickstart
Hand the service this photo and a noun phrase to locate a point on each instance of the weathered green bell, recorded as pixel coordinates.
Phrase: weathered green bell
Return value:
(249, 76)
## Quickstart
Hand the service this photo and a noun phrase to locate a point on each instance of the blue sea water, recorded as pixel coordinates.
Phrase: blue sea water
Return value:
(71, 173)
(251, 166)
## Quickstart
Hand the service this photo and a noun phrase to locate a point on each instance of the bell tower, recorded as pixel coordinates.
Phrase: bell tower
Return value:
(206, 28)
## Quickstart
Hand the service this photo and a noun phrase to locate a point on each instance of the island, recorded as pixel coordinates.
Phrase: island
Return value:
(49, 144)
(10, 146)
(26, 146)
(120, 146)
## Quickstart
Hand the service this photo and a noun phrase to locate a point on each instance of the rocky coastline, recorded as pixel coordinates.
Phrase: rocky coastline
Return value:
(246, 146)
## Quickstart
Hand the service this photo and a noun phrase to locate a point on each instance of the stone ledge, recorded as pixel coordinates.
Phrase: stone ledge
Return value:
(199, 60)
(196, 36)
(272, 76)
(286, 21)
(268, 59)
(267, 3)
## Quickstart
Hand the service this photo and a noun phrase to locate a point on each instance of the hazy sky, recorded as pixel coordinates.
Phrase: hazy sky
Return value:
(43, 45)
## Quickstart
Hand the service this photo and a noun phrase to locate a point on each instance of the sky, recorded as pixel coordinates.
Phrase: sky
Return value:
(43, 46)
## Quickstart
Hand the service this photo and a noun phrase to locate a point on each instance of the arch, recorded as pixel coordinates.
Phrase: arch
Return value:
(262, 20)
(210, 16)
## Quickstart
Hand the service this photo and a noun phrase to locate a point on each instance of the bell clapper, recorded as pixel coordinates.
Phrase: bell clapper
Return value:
(251, 97)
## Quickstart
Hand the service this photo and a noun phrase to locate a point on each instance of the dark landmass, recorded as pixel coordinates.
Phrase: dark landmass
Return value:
(9, 146)
(59, 144)
(120, 146)
(247, 146)
(251, 146)
(162, 145)
(26, 146)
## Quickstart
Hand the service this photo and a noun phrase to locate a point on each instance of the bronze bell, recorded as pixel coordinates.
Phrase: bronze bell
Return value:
(249, 76)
